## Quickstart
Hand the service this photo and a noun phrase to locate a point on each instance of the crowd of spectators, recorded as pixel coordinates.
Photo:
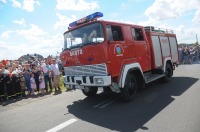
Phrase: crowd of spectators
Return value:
(24, 79)
(189, 54)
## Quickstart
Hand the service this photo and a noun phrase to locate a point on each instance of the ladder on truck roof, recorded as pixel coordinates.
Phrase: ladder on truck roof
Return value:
(155, 29)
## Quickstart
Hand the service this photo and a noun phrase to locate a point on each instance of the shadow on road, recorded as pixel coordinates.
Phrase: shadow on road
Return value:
(127, 117)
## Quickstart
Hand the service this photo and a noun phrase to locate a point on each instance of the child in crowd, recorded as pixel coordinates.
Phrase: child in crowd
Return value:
(22, 83)
(33, 84)
(42, 83)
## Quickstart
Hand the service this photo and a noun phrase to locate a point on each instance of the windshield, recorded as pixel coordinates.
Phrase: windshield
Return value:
(90, 34)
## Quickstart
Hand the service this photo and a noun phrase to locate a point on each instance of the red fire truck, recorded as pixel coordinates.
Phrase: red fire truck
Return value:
(116, 56)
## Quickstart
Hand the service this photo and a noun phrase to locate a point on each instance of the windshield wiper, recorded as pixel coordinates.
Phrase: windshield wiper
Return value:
(81, 45)
(89, 43)
(76, 46)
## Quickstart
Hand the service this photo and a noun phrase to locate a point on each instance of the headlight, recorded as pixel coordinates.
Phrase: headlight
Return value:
(99, 81)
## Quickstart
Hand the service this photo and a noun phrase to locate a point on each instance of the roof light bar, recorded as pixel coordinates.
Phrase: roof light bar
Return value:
(88, 18)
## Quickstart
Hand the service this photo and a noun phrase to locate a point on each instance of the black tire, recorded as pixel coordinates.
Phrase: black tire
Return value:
(130, 88)
(91, 92)
(168, 73)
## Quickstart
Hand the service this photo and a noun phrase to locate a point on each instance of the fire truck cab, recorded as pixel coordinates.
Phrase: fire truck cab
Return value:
(116, 56)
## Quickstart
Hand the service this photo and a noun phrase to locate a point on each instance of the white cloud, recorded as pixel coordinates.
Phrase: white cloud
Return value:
(7, 49)
(16, 3)
(4, 1)
(76, 5)
(161, 11)
(6, 34)
(63, 21)
(183, 33)
(32, 40)
(20, 22)
(196, 18)
(149, 22)
(186, 35)
(170, 9)
(28, 5)
(46, 46)
(33, 33)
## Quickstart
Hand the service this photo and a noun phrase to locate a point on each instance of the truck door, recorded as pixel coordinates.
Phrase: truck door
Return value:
(117, 47)
(141, 48)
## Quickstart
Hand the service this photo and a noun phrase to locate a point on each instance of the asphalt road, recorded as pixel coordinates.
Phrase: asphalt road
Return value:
(171, 107)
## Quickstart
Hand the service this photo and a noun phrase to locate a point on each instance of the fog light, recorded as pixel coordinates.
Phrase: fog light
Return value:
(99, 80)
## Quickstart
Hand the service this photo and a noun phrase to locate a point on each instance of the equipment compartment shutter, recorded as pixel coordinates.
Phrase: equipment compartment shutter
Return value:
(174, 49)
(157, 51)
(165, 46)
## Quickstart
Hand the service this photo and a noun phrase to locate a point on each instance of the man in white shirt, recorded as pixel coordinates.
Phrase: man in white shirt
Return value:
(56, 74)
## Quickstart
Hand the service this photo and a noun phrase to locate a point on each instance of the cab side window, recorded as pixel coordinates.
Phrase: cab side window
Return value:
(114, 33)
(137, 34)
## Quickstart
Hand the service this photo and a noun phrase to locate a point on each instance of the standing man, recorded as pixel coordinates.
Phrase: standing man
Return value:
(36, 73)
(47, 74)
(56, 74)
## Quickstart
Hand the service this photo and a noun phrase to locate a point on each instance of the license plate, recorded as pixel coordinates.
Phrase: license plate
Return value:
(79, 87)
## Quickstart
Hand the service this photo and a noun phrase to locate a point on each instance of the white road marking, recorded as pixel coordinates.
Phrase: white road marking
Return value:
(106, 102)
(61, 126)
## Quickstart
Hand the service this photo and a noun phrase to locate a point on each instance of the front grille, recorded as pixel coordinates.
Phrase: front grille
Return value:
(87, 70)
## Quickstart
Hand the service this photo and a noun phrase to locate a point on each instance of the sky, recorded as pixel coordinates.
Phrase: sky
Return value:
(37, 26)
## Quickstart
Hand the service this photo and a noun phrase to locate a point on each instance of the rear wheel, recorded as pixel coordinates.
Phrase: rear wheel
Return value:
(90, 91)
(130, 88)
(168, 73)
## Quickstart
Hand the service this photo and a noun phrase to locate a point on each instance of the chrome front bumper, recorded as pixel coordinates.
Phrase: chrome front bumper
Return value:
(98, 81)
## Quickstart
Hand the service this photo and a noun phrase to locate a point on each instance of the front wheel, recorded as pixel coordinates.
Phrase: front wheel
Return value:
(130, 88)
(90, 91)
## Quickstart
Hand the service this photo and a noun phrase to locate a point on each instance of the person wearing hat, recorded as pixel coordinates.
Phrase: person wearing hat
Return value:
(16, 83)
(2, 88)
(22, 83)
(8, 84)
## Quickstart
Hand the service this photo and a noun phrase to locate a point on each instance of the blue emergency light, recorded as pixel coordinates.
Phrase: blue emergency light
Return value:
(88, 18)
